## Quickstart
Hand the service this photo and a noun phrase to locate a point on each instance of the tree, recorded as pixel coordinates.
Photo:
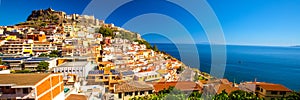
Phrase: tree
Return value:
(236, 95)
(221, 96)
(43, 55)
(155, 48)
(172, 97)
(43, 66)
(1, 63)
(106, 32)
(148, 46)
(54, 53)
(294, 96)
(242, 95)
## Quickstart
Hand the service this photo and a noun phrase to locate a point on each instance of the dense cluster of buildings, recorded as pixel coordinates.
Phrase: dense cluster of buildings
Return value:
(91, 66)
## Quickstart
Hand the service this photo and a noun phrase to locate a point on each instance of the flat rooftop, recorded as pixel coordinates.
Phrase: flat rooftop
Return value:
(13, 58)
(37, 59)
(142, 74)
(74, 64)
(22, 79)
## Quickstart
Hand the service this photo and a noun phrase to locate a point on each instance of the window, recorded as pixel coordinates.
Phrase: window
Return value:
(142, 92)
(25, 91)
(274, 92)
(130, 93)
(92, 77)
(282, 93)
(120, 95)
(126, 93)
(150, 92)
(7, 87)
(136, 93)
(257, 88)
(13, 91)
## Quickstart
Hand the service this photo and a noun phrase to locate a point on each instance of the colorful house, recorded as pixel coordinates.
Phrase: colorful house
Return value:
(36, 87)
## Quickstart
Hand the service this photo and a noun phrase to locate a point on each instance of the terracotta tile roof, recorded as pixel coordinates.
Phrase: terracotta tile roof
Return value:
(181, 85)
(2, 66)
(105, 62)
(272, 87)
(133, 86)
(227, 87)
(18, 79)
(76, 97)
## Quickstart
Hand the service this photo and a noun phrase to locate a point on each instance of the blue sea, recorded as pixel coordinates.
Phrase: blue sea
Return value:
(246, 63)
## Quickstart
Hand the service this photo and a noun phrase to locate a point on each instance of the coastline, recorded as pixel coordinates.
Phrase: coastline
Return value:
(246, 55)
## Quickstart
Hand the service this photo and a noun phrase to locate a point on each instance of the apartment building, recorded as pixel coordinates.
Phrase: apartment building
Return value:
(13, 47)
(15, 63)
(41, 47)
(41, 86)
(32, 63)
(108, 78)
(78, 68)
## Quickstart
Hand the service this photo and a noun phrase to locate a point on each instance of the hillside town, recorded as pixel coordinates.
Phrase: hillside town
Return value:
(55, 56)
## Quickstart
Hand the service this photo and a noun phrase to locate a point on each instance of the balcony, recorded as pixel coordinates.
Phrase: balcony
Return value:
(18, 96)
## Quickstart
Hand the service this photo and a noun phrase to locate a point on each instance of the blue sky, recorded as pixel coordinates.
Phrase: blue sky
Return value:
(244, 22)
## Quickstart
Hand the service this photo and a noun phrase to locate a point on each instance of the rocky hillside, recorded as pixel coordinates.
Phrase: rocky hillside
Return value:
(44, 17)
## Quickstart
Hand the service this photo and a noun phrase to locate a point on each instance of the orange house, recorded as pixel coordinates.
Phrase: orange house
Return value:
(37, 37)
(42, 86)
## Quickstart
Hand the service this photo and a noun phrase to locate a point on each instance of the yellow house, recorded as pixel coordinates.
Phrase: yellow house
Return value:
(107, 65)
(11, 37)
(27, 48)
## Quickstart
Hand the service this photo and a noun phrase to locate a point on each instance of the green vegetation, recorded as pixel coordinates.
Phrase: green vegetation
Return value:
(196, 77)
(43, 55)
(21, 71)
(173, 94)
(1, 63)
(236, 95)
(127, 35)
(54, 53)
(202, 78)
(294, 96)
(148, 46)
(180, 69)
(155, 48)
(170, 94)
(43, 66)
(106, 32)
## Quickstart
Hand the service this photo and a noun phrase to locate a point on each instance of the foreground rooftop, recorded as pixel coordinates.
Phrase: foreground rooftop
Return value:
(22, 79)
